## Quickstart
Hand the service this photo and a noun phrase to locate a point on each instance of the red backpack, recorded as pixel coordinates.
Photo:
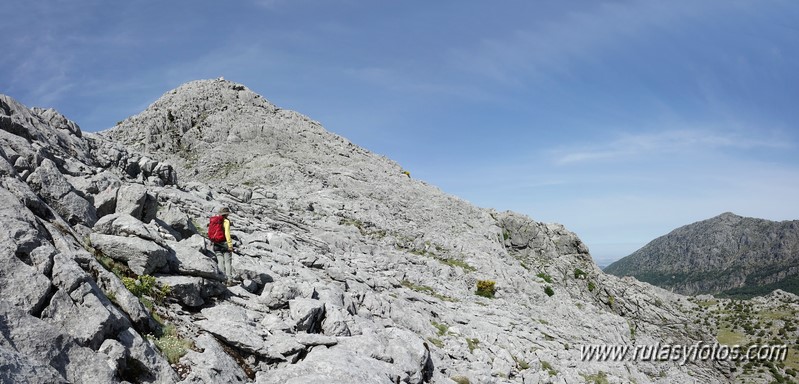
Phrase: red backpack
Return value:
(216, 229)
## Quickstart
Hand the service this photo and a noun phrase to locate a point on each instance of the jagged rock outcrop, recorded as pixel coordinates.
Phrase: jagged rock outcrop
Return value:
(726, 254)
(349, 270)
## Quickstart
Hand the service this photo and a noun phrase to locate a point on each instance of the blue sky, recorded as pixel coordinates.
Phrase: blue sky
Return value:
(620, 119)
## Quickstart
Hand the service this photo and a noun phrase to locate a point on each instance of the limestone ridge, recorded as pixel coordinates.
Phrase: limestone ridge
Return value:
(726, 254)
(350, 270)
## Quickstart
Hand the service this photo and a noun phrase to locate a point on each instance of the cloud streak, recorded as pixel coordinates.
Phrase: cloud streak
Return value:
(553, 46)
(631, 145)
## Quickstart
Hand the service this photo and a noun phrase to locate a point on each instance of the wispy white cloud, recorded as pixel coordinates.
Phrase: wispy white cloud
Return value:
(553, 46)
(631, 145)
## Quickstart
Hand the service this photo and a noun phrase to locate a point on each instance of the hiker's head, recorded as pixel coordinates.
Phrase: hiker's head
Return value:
(224, 211)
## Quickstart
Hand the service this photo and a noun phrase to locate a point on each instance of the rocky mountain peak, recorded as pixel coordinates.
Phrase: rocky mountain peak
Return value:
(347, 269)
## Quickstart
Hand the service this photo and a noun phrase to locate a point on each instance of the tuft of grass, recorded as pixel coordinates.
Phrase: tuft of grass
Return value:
(548, 367)
(437, 342)
(486, 288)
(597, 378)
(546, 277)
(579, 273)
(472, 344)
(549, 291)
(441, 328)
(457, 263)
(591, 286)
(521, 364)
(426, 290)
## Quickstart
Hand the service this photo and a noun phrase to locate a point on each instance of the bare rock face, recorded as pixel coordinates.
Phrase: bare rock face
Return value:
(345, 269)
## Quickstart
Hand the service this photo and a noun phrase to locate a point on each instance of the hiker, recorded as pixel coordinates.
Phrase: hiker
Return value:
(219, 234)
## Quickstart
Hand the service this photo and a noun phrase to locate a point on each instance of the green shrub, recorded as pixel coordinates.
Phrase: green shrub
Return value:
(171, 345)
(578, 273)
(549, 291)
(591, 286)
(546, 277)
(486, 288)
(146, 286)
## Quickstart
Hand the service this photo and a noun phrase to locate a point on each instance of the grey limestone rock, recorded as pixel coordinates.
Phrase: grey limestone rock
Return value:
(191, 260)
(21, 281)
(19, 368)
(137, 201)
(328, 365)
(279, 294)
(307, 314)
(191, 291)
(213, 364)
(116, 354)
(122, 224)
(237, 327)
(177, 220)
(48, 181)
(44, 342)
(105, 202)
(142, 257)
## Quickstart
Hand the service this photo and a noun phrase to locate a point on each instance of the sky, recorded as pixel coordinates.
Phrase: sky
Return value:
(621, 120)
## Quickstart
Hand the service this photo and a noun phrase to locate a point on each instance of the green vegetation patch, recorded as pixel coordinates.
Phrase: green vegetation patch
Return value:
(548, 367)
(790, 284)
(437, 342)
(146, 286)
(598, 378)
(442, 329)
(171, 345)
(727, 336)
(545, 277)
(472, 344)
(521, 364)
(457, 263)
(426, 290)
(486, 288)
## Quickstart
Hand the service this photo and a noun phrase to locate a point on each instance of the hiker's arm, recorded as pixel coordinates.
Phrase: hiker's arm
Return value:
(226, 225)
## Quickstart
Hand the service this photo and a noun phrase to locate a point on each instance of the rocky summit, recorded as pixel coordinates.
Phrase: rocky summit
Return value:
(347, 269)
(728, 255)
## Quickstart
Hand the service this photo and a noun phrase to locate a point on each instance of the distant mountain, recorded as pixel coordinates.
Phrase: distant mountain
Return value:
(728, 255)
